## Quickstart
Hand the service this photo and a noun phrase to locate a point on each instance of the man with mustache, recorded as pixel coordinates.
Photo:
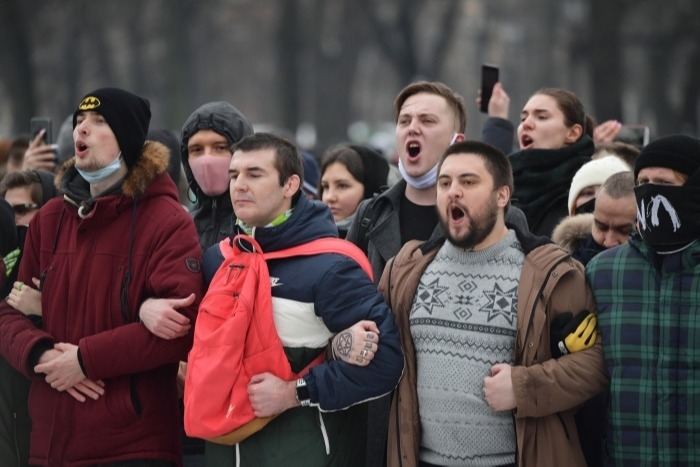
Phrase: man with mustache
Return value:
(474, 308)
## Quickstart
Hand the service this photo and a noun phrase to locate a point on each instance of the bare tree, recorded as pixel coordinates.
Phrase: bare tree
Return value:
(17, 76)
(397, 25)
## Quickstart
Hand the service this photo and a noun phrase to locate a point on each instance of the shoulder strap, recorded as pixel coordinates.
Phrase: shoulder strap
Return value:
(326, 245)
(366, 219)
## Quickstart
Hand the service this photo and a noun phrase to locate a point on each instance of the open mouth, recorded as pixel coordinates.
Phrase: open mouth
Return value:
(457, 213)
(526, 141)
(413, 150)
(80, 147)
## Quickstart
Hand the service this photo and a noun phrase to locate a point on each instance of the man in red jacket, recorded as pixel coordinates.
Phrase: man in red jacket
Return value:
(103, 387)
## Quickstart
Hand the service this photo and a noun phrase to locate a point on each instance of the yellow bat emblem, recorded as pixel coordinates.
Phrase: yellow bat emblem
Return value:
(89, 103)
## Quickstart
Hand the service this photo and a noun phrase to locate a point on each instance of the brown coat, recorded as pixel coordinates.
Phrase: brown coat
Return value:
(547, 391)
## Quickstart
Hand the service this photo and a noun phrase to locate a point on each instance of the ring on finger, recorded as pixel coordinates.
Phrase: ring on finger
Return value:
(363, 353)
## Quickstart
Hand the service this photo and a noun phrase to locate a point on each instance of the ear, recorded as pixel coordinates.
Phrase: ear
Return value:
(291, 186)
(503, 196)
(573, 134)
(459, 137)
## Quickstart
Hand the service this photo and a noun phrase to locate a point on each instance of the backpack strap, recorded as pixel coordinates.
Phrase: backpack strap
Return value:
(366, 219)
(326, 245)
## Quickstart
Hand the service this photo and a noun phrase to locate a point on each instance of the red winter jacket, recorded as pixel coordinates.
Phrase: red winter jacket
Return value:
(83, 263)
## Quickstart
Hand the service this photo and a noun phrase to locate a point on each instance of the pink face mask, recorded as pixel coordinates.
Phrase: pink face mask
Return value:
(211, 173)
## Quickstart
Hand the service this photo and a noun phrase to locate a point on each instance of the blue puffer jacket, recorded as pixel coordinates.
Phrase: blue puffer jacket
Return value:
(313, 298)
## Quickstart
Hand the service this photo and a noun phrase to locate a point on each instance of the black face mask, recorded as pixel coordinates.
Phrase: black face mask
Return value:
(668, 215)
(586, 207)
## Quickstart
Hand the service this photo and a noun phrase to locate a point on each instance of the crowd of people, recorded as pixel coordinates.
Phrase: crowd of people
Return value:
(528, 300)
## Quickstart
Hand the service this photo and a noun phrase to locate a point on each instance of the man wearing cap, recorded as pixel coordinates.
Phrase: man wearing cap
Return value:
(103, 389)
(207, 136)
(648, 308)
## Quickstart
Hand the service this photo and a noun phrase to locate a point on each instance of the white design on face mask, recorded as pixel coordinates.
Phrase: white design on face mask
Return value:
(652, 212)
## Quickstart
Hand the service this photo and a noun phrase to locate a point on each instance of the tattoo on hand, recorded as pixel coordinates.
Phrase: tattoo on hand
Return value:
(343, 345)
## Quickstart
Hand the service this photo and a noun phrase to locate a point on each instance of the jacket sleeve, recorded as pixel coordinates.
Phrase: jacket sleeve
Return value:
(173, 271)
(344, 297)
(553, 385)
(498, 132)
(18, 335)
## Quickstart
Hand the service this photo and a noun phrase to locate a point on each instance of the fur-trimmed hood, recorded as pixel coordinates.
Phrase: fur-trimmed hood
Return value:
(573, 231)
(153, 162)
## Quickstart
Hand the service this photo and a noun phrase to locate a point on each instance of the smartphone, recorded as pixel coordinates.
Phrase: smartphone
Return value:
(489, 77)
(36, 124)
(636, 135)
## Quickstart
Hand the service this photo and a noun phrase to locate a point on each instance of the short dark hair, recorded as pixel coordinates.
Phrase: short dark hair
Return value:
(22, 178)
(454, 100)
(495, 161)
(343, 154)
(619, 185)
(288, 159)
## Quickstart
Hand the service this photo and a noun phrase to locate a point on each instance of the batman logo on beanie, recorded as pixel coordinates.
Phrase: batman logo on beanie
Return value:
(127, 115)
(89, 103)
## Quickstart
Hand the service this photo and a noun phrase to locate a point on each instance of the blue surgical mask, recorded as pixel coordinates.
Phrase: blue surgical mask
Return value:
(104, 173)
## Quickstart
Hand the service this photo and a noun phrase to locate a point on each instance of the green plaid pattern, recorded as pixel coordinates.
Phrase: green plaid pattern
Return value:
(649, 321)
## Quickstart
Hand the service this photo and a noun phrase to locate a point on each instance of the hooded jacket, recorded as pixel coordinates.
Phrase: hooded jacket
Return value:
(314, 297)
(98, 259)
(547, 391)
(213, 216)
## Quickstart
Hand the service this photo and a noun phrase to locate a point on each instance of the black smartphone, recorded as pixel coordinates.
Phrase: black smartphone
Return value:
(636, 135)
(36, 124)
(489, 77)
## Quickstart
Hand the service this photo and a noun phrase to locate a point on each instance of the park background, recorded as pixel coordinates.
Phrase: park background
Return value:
(328, 70)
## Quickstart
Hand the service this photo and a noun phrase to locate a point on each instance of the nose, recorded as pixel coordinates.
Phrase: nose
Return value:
(414, 126)
(454, 191)
(611, 239)
(527, 123)
(329, 195)
(82, 127)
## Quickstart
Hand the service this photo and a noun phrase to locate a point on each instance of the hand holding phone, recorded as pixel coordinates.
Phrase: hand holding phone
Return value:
(41, 154)
(489, 77)
(36, 124)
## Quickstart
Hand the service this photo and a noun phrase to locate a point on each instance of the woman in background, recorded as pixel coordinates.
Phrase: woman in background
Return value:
(349, 174)
(554, 136)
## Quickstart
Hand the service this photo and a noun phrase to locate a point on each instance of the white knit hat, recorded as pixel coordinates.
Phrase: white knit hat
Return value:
(593, 173)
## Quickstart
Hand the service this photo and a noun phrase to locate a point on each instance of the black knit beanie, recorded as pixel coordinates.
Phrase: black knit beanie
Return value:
(127, 114)
(678, 152)
(376, 169)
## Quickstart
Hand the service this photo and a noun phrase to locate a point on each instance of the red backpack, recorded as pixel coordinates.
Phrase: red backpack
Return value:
(235, 338)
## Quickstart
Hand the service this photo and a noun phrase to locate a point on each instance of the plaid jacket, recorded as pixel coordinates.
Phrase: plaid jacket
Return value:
(649, 319)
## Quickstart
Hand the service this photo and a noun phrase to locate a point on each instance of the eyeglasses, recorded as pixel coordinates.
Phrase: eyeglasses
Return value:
(22, 209)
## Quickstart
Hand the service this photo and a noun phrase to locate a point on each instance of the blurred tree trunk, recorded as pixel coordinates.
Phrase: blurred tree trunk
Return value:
(178, 98)
(337, 46)
(16, 63)
(397, 37)
(691, 85)
(605, 57)
(288, 50)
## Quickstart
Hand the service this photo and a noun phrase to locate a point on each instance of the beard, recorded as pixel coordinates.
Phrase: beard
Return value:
(480, 226)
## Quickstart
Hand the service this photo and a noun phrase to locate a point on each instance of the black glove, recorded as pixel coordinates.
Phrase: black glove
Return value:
(570, 333)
